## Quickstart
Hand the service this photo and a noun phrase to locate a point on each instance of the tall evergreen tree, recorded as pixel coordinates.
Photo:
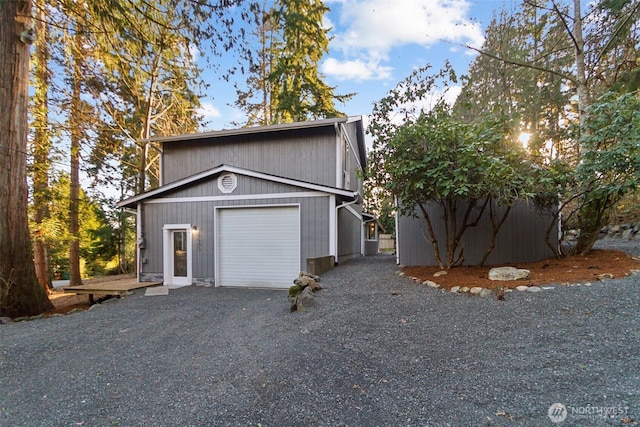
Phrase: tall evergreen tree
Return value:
(146, 87)
(258, 97)
(20, 292)
(300, 89)
(42, 143)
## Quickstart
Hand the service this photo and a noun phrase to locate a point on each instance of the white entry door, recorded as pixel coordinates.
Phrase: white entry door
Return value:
(258, 246)
(177, 255)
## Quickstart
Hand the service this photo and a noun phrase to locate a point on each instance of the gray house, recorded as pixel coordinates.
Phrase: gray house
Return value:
(252, 207)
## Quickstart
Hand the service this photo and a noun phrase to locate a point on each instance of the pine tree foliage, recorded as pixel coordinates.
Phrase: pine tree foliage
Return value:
(295, 80)
(548, 66)
(257, 97)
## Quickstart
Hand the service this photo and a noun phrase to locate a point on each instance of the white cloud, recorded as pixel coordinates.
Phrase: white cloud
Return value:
(366, 32)
(357, 70)
(374, 27)
(209, 111)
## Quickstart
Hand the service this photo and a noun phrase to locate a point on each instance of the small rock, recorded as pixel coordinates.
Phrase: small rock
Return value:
(522, 288)
(484, 292)
(294, 291)
(305, 299)
(309, 281)
(455, 289)
(430, 284)
(475, 290)
(546, 288)
(464, 289)
(439, 273)
(587, 284)
(306, 274)
(508, 273)
(605, 276)
(5, 320)
(627, 234)
(534, 289)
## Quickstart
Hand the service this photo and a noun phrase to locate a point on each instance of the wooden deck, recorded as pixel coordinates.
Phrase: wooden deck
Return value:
(117, 287)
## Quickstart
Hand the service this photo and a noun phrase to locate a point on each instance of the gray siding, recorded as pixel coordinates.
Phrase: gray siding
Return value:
(314, 231)
(350, 234)
(308, 155)
(355, 177)
(245, 185)
(520, 239)
(371, 247)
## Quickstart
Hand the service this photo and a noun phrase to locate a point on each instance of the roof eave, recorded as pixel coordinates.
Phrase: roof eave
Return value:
(249, 130)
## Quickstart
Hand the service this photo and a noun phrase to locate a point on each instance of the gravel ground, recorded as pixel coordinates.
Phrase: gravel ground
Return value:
(360, 356)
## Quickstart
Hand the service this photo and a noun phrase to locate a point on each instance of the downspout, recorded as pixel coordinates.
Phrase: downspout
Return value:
(395, 202)
(139, 240)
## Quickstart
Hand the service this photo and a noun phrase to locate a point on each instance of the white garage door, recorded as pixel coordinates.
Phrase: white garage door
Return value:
(258, 247)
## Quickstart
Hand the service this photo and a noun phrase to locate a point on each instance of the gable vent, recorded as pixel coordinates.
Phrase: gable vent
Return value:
(227, 182)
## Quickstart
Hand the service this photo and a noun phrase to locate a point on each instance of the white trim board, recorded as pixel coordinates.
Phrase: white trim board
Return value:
(240, 171)
(261, 196)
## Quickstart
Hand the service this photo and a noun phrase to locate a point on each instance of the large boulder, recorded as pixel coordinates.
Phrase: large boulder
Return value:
(304, 299)
(508, 273)
(301, 293)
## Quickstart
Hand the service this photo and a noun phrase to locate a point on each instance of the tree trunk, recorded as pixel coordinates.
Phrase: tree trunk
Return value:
(591, 221)
(41, 148)
(432, 237)
(20, 293)
(495, 228)
(74, 186)
(582, 89)
(591, 217)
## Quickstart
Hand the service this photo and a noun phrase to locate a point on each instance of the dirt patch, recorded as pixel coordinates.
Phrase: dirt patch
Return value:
(64, 302)
(573, 269)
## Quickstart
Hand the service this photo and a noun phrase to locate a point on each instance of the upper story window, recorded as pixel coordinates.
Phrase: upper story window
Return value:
(227, 182)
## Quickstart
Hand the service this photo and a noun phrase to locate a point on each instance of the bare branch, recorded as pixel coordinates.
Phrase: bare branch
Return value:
(526, 65)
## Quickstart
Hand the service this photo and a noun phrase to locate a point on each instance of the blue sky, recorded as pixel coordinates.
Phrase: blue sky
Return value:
(377, 43)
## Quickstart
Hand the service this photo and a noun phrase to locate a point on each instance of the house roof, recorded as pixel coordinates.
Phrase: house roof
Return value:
(132, 201)
(367, 217)
(253, 130)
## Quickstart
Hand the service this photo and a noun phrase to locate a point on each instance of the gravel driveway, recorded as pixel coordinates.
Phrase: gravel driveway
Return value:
(361, 356)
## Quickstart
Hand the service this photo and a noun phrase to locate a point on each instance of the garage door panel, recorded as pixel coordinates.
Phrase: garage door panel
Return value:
(258, 246)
